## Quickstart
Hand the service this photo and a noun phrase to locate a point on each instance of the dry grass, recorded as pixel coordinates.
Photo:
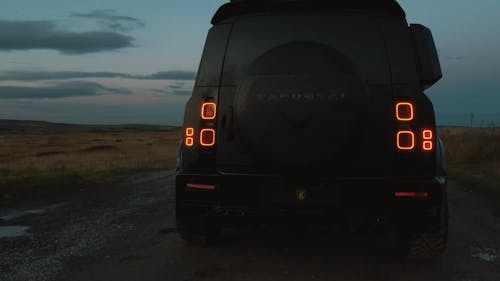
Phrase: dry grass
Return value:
(473, 156)
(62, 159)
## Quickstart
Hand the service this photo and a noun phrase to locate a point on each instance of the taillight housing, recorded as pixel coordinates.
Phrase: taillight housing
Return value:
(207, 115)
(427, 140)
(408, 136)
(208, 111)
(207, 137)
(405, 111)
(405, 140)
(189, 137)
(204, 137)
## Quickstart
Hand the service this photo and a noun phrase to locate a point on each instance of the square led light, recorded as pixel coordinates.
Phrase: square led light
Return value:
(405, 140)
(427, 145)
(427, 134)
(208, 111)
(207, 137)
(189, 142)
(405, 111)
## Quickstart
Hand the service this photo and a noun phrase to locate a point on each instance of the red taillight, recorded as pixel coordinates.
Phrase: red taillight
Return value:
(405, 140)
(405, 111)
(427, 134)
(208, 111)
(189, 141)
(411, 194)
(200, 186)
(427, 140)
(408, 136)
(189, 137)
(207, 137)
(427, 145)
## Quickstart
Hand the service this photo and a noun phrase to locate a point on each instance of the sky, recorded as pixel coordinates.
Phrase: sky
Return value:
(121, 61)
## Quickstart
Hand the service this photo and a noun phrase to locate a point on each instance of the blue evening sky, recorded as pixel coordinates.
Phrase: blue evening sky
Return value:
(121, 61)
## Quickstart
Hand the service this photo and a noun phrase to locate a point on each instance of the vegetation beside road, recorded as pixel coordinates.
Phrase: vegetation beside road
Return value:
(64, 160)
(473, 156)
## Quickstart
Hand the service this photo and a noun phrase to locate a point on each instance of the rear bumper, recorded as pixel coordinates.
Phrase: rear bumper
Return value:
(243, 198)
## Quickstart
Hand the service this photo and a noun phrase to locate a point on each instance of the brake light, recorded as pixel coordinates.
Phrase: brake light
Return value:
(208, 111)
(189, 137)
(405, 140)
(411, 194)
(189, 141)
(405, 111)
(427, 140)
(200, 186)
(207, 137)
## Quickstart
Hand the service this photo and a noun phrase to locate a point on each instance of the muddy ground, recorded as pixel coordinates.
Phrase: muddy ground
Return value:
(127, 232)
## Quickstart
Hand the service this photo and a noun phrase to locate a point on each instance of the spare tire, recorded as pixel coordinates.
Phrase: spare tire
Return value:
(299, 105)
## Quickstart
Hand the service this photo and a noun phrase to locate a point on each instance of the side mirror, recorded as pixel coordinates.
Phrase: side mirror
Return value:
(428, 64)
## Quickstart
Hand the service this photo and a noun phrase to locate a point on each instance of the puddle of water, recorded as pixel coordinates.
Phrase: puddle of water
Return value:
(18, 214)
(21, 213)
(484, 253)
(13, 231)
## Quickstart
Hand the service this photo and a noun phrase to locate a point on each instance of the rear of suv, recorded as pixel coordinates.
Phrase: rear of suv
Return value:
(314, 111)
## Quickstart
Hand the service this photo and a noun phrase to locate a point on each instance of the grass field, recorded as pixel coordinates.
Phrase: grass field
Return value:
(473, 156)
(74, 159)
(44, 160)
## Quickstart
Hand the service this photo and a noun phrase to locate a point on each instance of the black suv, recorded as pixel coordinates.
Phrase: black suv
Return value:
(314, 111)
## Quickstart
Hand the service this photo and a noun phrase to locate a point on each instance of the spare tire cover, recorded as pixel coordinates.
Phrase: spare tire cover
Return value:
(299, 105)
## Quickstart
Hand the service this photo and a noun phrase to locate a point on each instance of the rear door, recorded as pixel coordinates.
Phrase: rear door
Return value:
(355, 35)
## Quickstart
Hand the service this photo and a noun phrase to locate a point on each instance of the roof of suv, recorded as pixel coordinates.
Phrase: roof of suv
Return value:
(244, 7)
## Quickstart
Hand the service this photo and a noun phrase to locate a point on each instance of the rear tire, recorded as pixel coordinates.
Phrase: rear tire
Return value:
(193, 234)
(427, 245)
(430, 245)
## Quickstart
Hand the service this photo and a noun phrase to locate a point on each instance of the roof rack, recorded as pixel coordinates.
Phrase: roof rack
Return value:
(244, 7)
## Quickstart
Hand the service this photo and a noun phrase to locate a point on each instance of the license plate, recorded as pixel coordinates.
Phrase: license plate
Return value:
(317, 195)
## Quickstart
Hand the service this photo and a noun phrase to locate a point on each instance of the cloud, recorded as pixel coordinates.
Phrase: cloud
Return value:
(182, 92)
(60, 90)
(175, 86)
(178, 88)
(170, 75)
(19, 75)
(55, 75)
(161, 92)
(28, 35)
(109, 20)
(175, 92)
(20, 62)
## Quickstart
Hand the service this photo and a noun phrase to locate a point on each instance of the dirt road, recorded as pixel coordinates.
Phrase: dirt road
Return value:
(127, 232)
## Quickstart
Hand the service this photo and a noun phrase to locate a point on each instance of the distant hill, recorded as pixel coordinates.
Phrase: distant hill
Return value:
(42, 127)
